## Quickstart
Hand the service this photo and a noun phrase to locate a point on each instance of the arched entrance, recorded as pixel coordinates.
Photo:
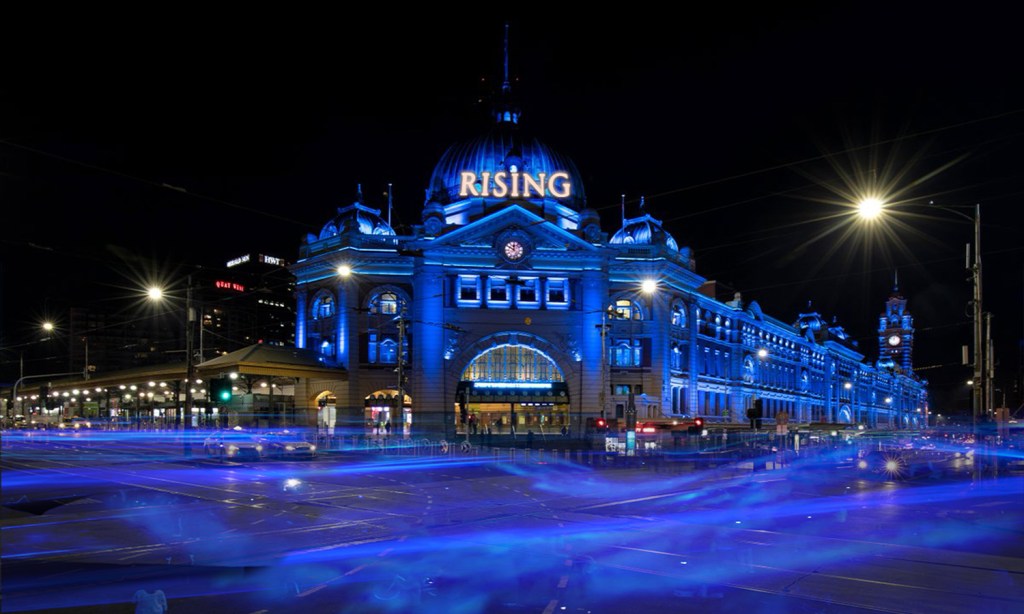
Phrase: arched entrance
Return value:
(845, 415)
(326, 412)
(512, 387)
(382, 415)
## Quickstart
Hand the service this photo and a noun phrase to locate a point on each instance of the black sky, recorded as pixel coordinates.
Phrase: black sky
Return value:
(732, 122)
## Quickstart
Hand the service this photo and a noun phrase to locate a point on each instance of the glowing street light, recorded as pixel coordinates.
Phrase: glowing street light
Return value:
(870, 208)
(344, 270)
(155, 293)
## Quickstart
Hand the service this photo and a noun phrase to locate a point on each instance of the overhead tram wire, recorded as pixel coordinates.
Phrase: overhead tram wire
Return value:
(159, 185)
(802, 161)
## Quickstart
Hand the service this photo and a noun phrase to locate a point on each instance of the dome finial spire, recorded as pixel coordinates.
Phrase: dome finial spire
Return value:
(623, 210)
(895, 280)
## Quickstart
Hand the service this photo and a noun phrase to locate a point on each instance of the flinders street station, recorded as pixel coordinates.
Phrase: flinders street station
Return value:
(514, 306)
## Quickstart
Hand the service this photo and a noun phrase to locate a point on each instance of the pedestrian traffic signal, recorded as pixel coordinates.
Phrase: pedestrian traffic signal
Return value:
(602, 423)
(220, 389)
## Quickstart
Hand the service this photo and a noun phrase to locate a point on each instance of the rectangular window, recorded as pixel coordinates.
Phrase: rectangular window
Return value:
(498, 290)
(558, 291)
(620, 389)
(527, 291)
(468, 285)
(625, 353)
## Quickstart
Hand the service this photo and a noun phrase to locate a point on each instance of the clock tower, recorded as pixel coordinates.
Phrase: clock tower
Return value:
(896, 333)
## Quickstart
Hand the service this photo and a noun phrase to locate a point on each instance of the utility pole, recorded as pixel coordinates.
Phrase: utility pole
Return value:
(190, 368)
(979, 353)
(990, 369)
(604, 361)
(399, 417)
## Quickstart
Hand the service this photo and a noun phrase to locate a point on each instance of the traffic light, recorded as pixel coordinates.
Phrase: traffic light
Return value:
(697, 427)
(602, 423)
(220, 389)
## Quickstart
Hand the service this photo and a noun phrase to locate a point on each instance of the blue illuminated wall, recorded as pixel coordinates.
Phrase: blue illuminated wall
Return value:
(541, 272)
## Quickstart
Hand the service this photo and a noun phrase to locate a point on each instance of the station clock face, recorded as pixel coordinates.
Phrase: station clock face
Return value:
(514, 251)
(894, 340)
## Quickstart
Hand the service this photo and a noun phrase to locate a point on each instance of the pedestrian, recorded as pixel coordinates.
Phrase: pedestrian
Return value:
(149, 603)
(387, 428)
(565, 431)
(529, 439)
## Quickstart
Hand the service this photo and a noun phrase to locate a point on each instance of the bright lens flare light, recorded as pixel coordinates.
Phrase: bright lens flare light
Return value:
(893, 467)
(649, 286)
(870, 208)
(154, 293)
(344, 270)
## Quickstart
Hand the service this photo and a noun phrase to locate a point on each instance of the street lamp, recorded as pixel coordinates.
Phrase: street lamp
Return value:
(872, 208)
(156, 294)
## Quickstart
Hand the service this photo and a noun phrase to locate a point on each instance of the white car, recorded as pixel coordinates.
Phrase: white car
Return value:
(233, 444)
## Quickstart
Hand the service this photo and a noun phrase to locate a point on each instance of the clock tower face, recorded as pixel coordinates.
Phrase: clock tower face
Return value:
(894, 340)
(513, 251)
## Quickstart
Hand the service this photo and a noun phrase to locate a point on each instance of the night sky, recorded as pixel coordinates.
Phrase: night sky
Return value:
(143, 145)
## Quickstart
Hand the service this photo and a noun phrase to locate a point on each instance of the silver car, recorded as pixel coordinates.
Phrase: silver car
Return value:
(288, 444)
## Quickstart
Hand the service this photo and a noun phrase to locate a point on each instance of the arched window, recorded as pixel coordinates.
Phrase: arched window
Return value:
(323, 306)
(509, 363)
(385, 303)
(679, 315)
(382, 332)
(676, 358)
(749, 370)
(625, 309)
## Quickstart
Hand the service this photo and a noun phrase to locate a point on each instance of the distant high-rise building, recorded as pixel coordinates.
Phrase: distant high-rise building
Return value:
(250, 301)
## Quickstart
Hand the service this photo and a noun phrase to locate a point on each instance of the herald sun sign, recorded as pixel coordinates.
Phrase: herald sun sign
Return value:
(514, 184)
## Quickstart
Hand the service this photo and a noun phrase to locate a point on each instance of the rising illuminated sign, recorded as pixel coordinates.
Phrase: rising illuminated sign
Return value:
(515, 184)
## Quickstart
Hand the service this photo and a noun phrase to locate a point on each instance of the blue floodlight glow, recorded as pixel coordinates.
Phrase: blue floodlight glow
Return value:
(93, 515)
(512, 384)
